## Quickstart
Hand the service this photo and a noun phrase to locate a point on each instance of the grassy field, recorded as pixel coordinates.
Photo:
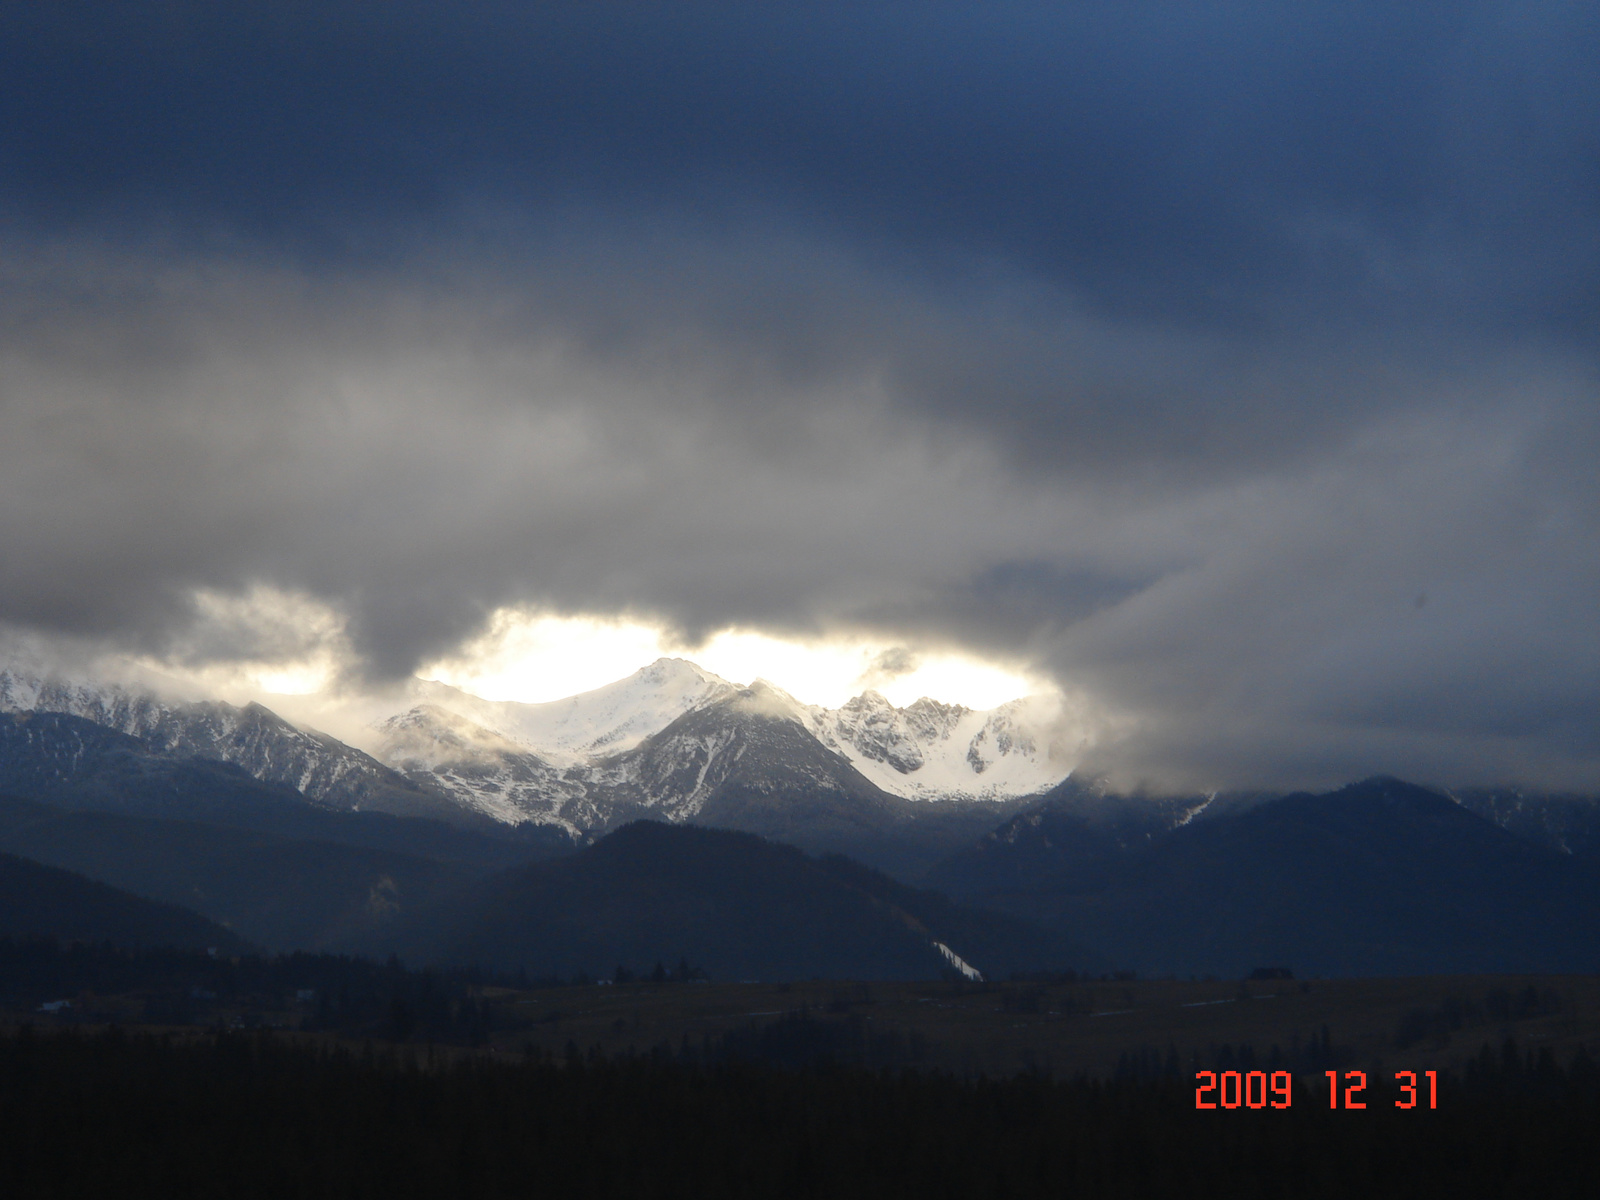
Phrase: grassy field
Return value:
(1092, 1028)
(1097, 1028)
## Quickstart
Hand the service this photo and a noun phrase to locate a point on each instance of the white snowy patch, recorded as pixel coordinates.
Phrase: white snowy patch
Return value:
(959, 963)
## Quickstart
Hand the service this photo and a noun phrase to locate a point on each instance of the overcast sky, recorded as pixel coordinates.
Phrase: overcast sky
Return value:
(1233, 365)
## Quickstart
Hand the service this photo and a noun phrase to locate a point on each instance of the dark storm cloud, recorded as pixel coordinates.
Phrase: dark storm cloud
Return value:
(1177, 348)
(1208, 162)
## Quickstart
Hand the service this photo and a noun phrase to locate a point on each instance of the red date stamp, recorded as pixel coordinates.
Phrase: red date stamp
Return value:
(1256, 1089)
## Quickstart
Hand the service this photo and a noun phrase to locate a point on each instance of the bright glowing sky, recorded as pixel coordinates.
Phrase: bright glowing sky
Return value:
(532, 658)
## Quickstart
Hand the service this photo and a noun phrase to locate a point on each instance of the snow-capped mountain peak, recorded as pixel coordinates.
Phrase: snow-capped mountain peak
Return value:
(668, 740)
(929, 750)
(120, 696)
(605, 721)
(767, 699)
(879, 731)
(426, 736)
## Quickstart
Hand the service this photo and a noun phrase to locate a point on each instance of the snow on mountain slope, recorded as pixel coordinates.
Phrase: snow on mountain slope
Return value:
(755, 740)
(759, 727)
(606, 721)
(252, 737)
(590, 761)
(933, 751)
(486, 772)
(926, 751)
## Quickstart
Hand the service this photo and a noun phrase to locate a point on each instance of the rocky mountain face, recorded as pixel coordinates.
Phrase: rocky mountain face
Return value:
(594, 760)
(933, 751)
(484, 772)
(746, 762)
(748, 759)
(1565, 822)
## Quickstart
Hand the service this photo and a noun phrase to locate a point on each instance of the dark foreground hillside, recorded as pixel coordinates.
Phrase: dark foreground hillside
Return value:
(41, 901)
(733, 903)
(253, 1115)
(284, 892)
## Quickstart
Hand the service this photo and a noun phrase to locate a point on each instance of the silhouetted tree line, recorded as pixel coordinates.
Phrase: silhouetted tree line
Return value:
(682, 973)
(352, 997)
(1436, 1026)
(254, 1114)
(801, 1041)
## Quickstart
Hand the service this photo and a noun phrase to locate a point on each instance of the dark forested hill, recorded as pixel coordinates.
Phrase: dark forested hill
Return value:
(278, 891)
(1381, 877)
(731, 903)
(71, 762)
(42, 901)
(254, 855)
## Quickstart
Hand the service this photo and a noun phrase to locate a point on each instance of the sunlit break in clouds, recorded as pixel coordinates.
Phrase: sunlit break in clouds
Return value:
(534, 658)
(1231, 370)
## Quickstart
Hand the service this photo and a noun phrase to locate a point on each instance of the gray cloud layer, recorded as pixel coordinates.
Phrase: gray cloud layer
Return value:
(1237, 367)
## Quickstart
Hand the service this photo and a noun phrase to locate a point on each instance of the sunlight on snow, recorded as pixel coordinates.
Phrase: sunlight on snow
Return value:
(535, 657)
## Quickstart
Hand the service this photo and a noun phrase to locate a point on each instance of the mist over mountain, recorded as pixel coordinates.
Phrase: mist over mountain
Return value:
(179, 815)
(671, 741)
(604, 721)
(1233, 371)
(928, 750)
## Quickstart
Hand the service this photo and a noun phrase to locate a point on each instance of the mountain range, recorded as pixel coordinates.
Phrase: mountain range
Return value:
(1380, 877)
(897, 787)
(674, 814)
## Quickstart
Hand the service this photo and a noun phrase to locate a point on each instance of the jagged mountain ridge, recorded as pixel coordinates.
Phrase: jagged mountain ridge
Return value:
(577, 762)
(925, 751)
(746, 761)
(672, 742)
(749, 740)
(252, 737)
(934, 751)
